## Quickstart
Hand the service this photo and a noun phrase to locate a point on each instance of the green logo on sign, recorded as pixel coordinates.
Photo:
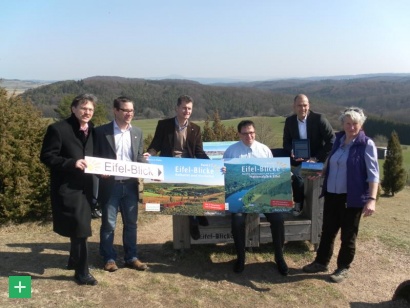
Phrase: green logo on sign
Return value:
(19, 286)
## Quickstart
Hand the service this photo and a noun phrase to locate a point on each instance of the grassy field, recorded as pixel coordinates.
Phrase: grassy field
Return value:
(269, 129)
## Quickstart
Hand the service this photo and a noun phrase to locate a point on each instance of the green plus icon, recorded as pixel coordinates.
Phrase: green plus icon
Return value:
(19, 286)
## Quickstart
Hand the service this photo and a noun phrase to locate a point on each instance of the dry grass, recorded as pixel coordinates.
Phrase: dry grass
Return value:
(203, 276)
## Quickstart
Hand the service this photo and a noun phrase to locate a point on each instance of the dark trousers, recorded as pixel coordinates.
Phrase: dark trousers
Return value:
(337, 216)
(79, 255)
(298, 189)
(277, 230)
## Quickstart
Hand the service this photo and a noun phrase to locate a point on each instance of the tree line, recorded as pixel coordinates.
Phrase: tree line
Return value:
(157, 98)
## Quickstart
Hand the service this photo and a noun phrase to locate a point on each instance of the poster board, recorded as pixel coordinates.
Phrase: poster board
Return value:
(258, 185)
(189, 187)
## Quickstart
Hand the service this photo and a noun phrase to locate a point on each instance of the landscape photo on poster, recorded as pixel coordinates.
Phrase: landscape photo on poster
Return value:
(310, 169)
(190, 187)
(216, 149)
(258, 185)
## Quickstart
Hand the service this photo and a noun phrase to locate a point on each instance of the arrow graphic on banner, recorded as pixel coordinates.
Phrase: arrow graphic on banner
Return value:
(130, 169)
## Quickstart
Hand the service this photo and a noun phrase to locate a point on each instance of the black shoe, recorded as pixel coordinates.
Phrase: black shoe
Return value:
(96, 213)
(282, 267)
(86, 279)
(202, 221)
(315, 267)
(95, 209)
(194, 231)
(239, 266)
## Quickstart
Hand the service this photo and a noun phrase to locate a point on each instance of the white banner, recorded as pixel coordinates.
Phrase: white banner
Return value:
(130, 169)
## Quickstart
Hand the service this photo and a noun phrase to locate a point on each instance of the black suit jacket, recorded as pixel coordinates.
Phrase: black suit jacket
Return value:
(163, 141)
(319, 133)
(104, 147)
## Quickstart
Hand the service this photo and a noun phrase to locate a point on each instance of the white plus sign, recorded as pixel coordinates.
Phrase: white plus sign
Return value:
(20, 287)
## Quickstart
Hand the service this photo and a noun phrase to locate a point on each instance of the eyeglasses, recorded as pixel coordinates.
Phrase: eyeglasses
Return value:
(247, 133)
(126, 110)
(87, 109)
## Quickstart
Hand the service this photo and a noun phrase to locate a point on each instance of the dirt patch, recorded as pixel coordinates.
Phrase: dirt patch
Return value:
(202, 276)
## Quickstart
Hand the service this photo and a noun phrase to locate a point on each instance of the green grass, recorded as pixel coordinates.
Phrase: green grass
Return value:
(269, 129)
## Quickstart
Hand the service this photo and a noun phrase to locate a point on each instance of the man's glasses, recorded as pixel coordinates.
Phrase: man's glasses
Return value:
(247, 133)
(126, 110)
(86, 109)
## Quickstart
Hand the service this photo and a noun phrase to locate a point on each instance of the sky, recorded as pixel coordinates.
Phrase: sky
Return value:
(238, 39)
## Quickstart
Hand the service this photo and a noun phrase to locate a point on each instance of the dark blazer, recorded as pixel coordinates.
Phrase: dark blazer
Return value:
(319, 133)
(164, 139)
(104, 147)
(71, 188)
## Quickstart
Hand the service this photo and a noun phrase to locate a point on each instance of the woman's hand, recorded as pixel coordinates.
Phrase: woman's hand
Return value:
(369, 208)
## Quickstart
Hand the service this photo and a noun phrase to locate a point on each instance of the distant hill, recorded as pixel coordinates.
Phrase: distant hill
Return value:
(386, 96)
(157, 98)
(19, 86)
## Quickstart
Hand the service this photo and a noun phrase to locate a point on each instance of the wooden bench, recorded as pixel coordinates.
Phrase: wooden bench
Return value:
(306, 227)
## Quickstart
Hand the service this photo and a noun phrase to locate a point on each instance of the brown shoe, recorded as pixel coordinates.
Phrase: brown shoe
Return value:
(110, 266)
(136, 264)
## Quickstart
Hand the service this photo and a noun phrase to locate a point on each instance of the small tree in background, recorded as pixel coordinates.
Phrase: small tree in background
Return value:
(265, 134)
(24, 180)
(147, 142)
(395, 175)
(207, 133)
(218, 131)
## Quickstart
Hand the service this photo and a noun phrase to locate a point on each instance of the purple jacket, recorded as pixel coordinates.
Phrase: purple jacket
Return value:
(357, 186)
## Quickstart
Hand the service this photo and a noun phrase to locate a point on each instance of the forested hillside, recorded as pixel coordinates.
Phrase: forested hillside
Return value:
(157, 98)
(385, 99)
(385, 96)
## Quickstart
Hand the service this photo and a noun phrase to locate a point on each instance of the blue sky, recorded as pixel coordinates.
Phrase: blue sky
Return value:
(251, 40)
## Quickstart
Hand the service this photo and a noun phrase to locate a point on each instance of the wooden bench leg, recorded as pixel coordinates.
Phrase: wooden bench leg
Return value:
(252, 230)
(181, 235)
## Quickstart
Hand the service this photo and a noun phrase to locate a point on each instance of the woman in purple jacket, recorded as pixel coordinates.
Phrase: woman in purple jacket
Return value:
(350, 189)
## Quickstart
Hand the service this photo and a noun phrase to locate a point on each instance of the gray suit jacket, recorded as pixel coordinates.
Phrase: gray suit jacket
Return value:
(104, 147)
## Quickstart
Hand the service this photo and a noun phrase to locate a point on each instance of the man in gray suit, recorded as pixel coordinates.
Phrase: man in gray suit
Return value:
(121, 141)
(306, 124)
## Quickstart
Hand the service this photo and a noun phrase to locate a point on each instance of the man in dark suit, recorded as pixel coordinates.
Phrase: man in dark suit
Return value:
(306, 124)
(121, 141)
(64, 147)
(178, 137)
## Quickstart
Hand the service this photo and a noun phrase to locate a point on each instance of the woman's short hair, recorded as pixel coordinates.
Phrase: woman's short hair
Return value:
(355, 113)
